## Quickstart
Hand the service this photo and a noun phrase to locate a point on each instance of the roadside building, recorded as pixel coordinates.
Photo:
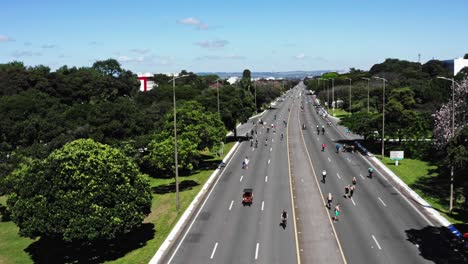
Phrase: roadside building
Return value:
(455, 65)
(146, 81)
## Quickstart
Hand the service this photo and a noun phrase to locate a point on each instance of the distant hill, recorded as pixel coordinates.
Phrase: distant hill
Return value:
(276, 75)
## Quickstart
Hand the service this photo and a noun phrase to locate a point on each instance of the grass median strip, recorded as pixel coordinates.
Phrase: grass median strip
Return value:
(424, 178)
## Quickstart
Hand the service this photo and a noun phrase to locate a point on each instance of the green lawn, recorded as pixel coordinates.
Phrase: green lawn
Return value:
(163, 216)
(424, 179)
(339, 113)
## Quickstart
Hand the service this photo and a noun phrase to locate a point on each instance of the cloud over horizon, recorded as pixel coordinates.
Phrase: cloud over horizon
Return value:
(198, 24)
(214, 44)
(25, 53)
(4, 38)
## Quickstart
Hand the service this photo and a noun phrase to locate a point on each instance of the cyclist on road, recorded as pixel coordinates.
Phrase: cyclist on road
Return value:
(324, 175)
(318, 130)
(329, 200)
(323, 147)
(323, 130)
(370, 170)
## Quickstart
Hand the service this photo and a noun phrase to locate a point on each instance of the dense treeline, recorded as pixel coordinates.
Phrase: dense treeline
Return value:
(41, 110)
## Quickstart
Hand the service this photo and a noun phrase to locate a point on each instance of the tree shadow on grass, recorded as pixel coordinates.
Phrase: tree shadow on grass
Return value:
(438, 245)
(56, 251)
(171, 187)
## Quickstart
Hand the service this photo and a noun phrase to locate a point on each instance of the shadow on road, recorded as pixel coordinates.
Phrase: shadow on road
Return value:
(56, 251)
(438, 245)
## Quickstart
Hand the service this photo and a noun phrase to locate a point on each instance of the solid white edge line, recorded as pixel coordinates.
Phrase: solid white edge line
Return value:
(242, 176)
(230, 206)
(256, 251)
(376, 242)
(263, 204)
(266, 178)
(382, 201)
(199, 210)
(214, 250)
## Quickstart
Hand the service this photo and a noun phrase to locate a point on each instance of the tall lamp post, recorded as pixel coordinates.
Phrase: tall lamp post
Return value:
(217, 93)
(453, 134)
(333, 95)
(367, 79)
(383, 114)
(350, 80)
(255, 95)
(175, 140)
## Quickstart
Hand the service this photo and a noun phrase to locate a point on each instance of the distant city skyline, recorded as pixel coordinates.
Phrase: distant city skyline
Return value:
(217, 36)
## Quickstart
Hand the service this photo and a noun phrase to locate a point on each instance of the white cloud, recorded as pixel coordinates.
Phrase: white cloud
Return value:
(25, 53)
(140, 51)
(194, 22)
(215, 57)
(4, 38)
(300, 56)
(214, 44)
(48, 46)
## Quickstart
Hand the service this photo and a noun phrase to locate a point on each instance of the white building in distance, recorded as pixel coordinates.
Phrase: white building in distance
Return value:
(455, 65)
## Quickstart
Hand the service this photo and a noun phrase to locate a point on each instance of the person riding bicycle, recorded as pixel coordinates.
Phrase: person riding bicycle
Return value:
(324, 175)
(323, 146)
(323, 130)
(370, 170)
(318, 129)
(281, 136)
(284, 217)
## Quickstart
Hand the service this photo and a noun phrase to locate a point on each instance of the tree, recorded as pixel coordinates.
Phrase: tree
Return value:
(466, 56)
(435, 68)
(84, 191)
(161, 155)
(246, 80)
(457, 150)
(443, 117)
(362, 123)
(203, 128)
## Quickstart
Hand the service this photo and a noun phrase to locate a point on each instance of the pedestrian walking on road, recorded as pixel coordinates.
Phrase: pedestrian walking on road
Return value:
(329, 201)
(354, 180)
(346, 188)
(318, 130)
(351, 191)
(324, 175)
(337, 212)
(323, 147)
(323, 130)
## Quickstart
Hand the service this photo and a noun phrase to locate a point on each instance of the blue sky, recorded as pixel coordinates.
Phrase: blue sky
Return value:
(168, 36)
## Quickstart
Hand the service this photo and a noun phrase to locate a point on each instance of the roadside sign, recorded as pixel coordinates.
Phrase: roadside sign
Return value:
(396, 156)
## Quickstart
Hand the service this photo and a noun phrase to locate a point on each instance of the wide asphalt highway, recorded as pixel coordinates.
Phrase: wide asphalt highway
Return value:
(373, 223)
(225, 231)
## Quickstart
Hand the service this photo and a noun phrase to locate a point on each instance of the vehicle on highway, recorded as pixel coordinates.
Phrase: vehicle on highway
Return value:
(247, 197)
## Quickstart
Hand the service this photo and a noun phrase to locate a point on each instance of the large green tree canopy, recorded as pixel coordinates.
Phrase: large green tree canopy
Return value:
(83, 191)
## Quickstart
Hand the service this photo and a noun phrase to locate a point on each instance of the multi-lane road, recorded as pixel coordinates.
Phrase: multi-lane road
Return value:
(285, 174)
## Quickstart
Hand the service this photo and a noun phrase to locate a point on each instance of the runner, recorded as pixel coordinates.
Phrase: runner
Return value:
(354, 180)
(337, 212)
(351, 191)
(329, 201)
(346, 188)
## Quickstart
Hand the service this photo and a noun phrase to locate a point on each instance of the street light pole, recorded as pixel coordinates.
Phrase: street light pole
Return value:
(453, 135)
(350, 80)
(255, 95)
(217, 91)
(383, 115)
(367, 92)
(333, 95)
(175, 141)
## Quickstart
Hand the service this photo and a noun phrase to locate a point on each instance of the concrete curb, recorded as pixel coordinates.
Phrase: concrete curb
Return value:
(184, 219)
(414, 196)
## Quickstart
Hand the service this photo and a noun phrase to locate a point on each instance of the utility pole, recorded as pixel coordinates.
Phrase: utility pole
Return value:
(383, 115)
(367, 92)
